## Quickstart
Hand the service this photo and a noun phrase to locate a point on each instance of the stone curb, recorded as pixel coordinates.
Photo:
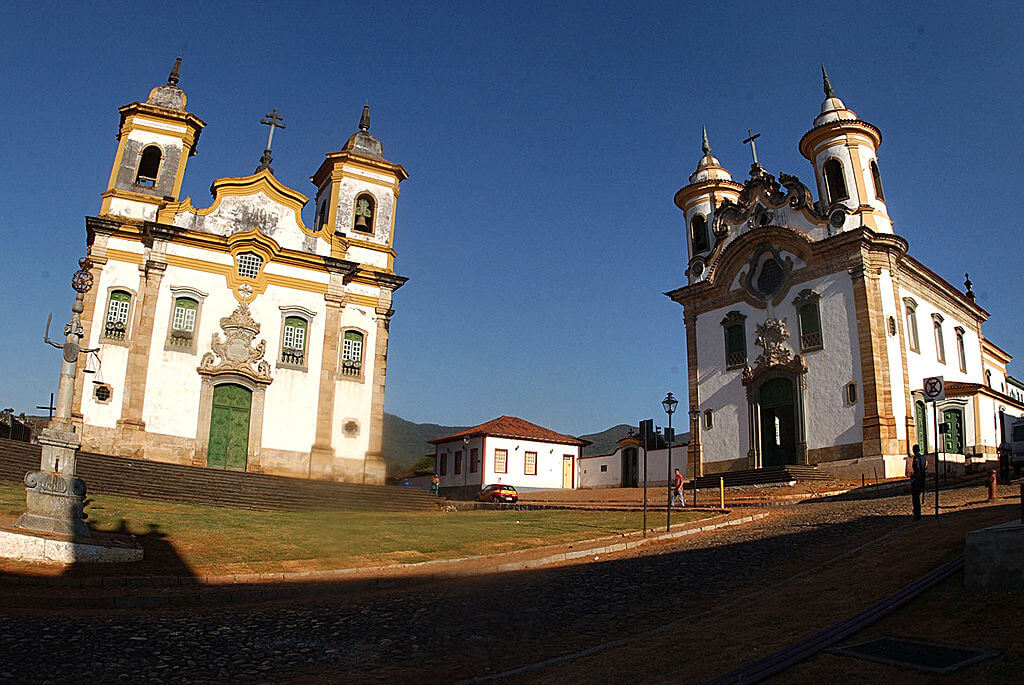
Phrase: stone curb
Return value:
(235, 587)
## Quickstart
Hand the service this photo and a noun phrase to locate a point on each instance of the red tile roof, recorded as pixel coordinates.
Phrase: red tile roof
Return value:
(513, 427)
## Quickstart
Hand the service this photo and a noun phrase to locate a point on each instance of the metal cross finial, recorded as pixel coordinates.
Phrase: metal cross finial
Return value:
(827, 83)
(753, 148)
(273, 120)
(51, 406)
(705, 146)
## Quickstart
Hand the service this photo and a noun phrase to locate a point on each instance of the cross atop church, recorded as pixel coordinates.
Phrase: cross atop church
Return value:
(753, 147)
(273, 120)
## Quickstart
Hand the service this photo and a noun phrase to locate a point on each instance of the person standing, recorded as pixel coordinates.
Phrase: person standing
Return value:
(435, 484)
(918, 465)
(677, 489)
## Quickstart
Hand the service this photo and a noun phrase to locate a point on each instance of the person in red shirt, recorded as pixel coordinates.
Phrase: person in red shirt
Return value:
(677, 489)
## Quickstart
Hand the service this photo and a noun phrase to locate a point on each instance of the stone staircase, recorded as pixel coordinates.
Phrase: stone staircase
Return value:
(108, 475)
(771, 474)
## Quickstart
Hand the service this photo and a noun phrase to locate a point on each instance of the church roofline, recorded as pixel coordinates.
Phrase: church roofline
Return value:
(994, 350)
(323, 173)
(945, 287)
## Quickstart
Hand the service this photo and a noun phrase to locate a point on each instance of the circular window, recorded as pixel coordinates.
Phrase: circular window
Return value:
(837, 218)
(697, 268)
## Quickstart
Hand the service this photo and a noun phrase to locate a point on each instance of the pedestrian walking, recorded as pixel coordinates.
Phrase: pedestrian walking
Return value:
(677, 489)
(435, 484)
(918, 465)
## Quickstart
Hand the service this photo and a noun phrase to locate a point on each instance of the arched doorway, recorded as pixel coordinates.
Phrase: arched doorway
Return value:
(778, 422)
(229, 427)
(630, 468)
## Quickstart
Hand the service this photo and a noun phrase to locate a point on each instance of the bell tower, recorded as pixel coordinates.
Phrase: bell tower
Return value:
(844, 152)
(357, 190)
(155, 140)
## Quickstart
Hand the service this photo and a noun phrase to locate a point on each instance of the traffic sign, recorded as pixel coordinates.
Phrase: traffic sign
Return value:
(934, 389)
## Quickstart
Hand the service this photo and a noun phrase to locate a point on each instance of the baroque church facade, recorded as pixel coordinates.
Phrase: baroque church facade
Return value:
(235, 336)
(810, 328)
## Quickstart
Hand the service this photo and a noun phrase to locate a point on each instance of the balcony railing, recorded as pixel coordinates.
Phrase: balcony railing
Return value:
(736, 359)
(291, 355)
(114, 330)
(810, 341)
(181, 338)
(351, 368)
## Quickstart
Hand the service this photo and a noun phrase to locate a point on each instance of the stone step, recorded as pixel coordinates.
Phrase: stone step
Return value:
(109, 475)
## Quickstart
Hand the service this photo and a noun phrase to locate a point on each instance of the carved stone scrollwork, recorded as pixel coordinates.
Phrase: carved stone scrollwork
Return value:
(235, 348)
(771, 337)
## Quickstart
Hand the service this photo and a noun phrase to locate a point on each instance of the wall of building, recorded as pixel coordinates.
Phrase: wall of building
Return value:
(549, 463)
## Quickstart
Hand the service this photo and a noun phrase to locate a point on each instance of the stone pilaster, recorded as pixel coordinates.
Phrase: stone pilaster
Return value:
(374, 470)
(695, 453)
(879, 426)
(321, 454)
(131, 427)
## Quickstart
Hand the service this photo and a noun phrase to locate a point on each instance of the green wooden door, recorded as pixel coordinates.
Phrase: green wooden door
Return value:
(229, 427)
(954, 421)
(778, 434)
(921, 419)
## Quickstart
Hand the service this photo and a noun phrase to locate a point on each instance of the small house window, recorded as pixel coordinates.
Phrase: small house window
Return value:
(474, 460)
(911, 313)
(709, 419)
(249, 264)
(604, 467)
(810, 327)
(940, 347)
(835, 183)
(149, 166)
(877, 179)
(851, 393)
(352, 353)
(293, 340)
(364, 213)
(530, 464)
(960, 353)
(116, 326)
(699, 234)
(443, 469)
(735, 346)
(458, 462)
(183, 322)
(501, 461)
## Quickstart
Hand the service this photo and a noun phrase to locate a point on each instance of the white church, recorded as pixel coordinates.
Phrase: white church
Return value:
(810, 327)
(234, 336)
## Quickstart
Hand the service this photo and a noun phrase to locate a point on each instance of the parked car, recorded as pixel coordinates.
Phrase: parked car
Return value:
(498, 493)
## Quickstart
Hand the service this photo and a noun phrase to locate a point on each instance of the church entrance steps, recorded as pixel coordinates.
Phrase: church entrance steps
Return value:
(159, 591)
(108, 475)
(771, 474)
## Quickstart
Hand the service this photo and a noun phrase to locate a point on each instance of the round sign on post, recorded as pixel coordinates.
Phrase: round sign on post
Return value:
(934, 389)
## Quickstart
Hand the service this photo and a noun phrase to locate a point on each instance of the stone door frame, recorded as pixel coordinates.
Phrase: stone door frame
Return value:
(259, 393)
(796, 373)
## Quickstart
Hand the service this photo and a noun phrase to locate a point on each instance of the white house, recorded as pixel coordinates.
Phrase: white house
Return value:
(625, 467)
(506, 450)
(810, 328)
(235, 336)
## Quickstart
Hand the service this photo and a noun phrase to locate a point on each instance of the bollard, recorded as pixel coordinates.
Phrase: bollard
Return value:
(1022, 503)
(721, 490)
(992, 484)
(862, 481)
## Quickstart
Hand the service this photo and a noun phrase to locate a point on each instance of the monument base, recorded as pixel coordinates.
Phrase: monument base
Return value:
(54, 503)
(27, 547)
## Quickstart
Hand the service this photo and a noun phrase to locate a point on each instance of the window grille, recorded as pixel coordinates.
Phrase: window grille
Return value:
(810, 327)
(249, 264)
(530, 465)
(735, 346)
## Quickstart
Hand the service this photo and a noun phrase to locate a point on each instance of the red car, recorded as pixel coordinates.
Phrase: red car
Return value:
(498, 493)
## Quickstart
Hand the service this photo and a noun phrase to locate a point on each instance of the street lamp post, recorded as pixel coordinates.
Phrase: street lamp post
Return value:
(669, 405)
(465, 454)
(694, 427)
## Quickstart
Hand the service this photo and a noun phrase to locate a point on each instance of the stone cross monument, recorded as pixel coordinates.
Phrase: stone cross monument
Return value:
(54, 497)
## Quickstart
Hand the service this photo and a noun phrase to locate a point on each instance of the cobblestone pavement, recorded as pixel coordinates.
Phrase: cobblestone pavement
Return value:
(448, 630)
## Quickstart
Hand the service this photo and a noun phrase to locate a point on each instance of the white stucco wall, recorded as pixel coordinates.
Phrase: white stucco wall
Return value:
(549, 463)
(658, 468)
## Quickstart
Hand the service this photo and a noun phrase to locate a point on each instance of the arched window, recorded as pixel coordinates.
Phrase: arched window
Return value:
(183, 322)
(709, 419)
(293, 340)
(835, 182)
(352, 353)
(249, 264)
(877, 179)
(940, 346)
(961, 355)
(149, 166)
(851, 393)
(118, 309)
(364, 213)
(699, 234)
(911, 312)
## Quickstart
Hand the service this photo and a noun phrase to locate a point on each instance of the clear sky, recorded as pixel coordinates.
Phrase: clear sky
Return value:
(544, 143)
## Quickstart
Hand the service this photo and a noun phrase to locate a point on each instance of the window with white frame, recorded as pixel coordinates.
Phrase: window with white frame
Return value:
(352, 353)
(940, 346)
(249, 264)
(183, 321)
(293, 340)
(116, 326)
(911, 313)
(530, 464)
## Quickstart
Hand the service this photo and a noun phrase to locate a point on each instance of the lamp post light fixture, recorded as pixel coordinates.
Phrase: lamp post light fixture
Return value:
(669, 405)
(694, 427)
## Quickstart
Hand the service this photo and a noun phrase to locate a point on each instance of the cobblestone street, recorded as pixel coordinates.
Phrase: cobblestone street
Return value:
(459, 628)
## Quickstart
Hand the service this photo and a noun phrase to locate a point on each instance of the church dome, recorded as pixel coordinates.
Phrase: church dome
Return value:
(709, 168)
(169, 95)
(362, 141)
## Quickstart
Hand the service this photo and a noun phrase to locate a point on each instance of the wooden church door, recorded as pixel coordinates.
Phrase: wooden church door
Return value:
(229, 427)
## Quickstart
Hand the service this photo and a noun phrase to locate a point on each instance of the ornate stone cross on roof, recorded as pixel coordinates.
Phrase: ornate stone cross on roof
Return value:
(273, 120)
(753, 148)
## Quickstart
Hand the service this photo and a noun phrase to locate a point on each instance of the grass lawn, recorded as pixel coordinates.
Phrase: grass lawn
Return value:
(218, 540)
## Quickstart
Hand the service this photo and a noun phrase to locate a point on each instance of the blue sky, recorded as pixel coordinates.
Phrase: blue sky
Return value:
(544, 143)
